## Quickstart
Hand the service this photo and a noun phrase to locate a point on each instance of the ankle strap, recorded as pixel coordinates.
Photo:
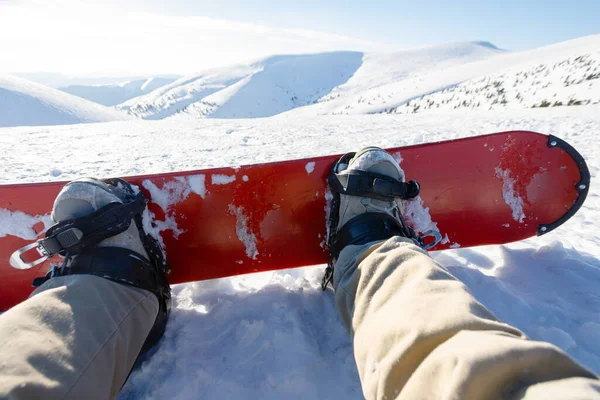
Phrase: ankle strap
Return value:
(365, 228)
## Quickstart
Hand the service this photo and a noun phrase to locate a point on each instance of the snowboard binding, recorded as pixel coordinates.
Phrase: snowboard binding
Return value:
(369, 226)
(76, 239)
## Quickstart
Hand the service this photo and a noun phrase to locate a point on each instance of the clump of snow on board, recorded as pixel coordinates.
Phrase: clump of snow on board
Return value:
(219, 179)
(243, 232)
(171, 193)
(198, 185)
(328, 200)
(509, 194)
(310, 167)
(17, 223)
(418, 216)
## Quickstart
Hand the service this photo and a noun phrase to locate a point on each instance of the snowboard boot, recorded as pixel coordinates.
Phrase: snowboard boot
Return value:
(367, 188)
(98, 229)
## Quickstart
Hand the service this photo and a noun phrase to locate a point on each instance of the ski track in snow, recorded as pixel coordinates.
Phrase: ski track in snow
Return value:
(276, 334)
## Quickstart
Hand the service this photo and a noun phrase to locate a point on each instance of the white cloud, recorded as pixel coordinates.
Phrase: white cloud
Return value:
(76, 38)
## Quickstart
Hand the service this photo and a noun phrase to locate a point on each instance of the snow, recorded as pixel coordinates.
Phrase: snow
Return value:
(219, 179)
(197, 184)
(117, 93)
(510, 196)
(260, 89)
(552, 82)
(417, 215)
(25, 103)
(276, 334)
(310, 167)
(413, 78)
(146, 84)
(17, 223)
(243, 232)
(170, 194)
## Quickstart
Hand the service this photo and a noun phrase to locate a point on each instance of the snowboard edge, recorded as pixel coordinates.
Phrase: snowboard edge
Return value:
(582, 187)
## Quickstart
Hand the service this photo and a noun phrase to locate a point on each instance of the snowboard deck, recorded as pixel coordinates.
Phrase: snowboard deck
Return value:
(215, 223)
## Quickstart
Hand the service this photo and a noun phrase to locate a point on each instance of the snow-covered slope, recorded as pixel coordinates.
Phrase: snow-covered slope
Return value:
(567, 78)
(25, 103)
(356, 83)
(383, 95)
(260, 89)
(113, 94)
(385, 79)
(282, 83)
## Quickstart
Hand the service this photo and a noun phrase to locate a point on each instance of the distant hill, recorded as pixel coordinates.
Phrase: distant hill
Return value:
(565, 74)
(25, 103)
(289, 83)
(263, 88)
(113, 94)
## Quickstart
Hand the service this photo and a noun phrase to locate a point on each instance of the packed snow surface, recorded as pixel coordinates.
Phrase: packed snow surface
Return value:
(25, 103)
(276, 334)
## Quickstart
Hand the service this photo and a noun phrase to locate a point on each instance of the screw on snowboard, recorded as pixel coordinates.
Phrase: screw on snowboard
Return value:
(215, 223)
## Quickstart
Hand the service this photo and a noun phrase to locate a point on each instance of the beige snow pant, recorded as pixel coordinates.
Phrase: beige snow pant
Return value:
(418, 333)
(77, 337)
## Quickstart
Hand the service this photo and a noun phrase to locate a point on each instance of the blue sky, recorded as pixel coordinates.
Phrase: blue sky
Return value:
(147, 37)
(510, 24)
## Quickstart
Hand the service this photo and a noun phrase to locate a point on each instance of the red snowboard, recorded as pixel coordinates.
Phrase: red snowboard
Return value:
(490, 189)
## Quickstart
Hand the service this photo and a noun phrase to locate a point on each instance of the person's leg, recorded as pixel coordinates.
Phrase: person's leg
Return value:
(77, 337)
(80, 332)
(419, 333)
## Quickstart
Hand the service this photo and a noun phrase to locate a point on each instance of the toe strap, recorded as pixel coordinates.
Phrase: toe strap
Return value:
(365, 228)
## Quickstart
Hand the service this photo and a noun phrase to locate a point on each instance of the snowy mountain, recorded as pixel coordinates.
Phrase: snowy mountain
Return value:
(564, 80)
(260, 89)
(25, 103)
(282, 83)
(113, 94)
(385, 79)
(443, 77)
(57, 80)
(383, 82)
(538, 69)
